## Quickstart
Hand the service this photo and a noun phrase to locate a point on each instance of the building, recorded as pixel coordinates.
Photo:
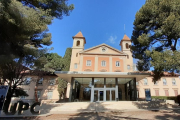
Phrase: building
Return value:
(103, 73)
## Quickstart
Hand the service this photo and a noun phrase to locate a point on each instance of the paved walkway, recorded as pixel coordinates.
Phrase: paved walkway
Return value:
(96, 107)
(113, 115)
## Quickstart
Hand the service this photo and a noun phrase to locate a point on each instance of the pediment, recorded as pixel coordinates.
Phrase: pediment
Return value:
(103, 49)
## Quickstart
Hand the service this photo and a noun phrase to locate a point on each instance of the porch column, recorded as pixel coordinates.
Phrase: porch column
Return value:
(116, 93)
(71, 89)
(135, 90)
(104, 96)
(92, 90)
(130, 91)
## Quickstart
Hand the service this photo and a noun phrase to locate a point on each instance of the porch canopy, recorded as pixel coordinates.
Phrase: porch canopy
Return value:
(67, 75)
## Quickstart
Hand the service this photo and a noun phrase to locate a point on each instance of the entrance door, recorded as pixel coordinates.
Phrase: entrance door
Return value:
(101, 95)
(110, 95)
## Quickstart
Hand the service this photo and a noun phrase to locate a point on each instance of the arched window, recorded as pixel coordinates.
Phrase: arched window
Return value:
(173, 81)
(164, 81)
(127, 46)
(103, 63)
(78, 43)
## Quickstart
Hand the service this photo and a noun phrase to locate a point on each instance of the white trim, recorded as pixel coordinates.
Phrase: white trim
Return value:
(75, 66)
(119, 64)
(103, 45)
(173, 79)
(101, 73)
(87, 63)
(102, 63)
(165, 81)
(146, 80)
(128, 67)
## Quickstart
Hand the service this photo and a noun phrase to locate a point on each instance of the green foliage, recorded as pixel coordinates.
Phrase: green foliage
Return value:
(155, 36)
(165, 97)
(67, 59)
(54, 62)
(62, 84)
(24, 36)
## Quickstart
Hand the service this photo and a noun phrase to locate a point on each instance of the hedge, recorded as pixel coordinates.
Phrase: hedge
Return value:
(165, 97)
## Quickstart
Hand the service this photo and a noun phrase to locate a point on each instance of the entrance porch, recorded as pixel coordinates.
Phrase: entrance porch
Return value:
(103, 89)
(102, 86)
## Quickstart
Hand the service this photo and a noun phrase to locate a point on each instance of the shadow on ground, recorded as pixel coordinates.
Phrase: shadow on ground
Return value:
(153, 105)
(99, 115)
(168, 115)
(44, 109)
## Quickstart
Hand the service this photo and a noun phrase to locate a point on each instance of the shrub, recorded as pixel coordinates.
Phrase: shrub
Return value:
(165, 97)
(178, 99)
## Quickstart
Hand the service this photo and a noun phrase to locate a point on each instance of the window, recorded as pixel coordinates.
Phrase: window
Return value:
(40, 82)
(103, 63)
(127, 56)
(166, 92)
(128, 67)
(75, 65)
(78, 43)
(156, 83)
(173, 81)
(127, 46)
(145, 81)
(88, 63)
(137, 93)
(27, 81)
(148, 94)
(38, 94)
(23, 97)
(175, 92)
(117, 63)
(52, 82)
(49, 94)
(137, 83)
(76, 54)
(164, 81)
(157, 92)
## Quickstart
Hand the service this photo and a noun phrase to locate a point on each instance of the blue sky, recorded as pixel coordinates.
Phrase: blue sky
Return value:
(100, 21)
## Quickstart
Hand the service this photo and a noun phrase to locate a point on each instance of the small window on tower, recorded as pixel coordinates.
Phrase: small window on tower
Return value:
(78, 43)
(127, 46)
(76, 54)
(127, 56)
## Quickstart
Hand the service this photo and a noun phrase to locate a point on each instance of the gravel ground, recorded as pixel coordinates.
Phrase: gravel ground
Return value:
(116, 115)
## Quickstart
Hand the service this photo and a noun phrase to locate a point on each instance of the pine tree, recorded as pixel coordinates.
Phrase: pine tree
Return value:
(155, 36)
(24, 36)
(67, 59)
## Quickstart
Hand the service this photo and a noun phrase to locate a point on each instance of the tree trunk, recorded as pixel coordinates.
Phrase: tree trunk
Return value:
(8, 99)
(64, 95)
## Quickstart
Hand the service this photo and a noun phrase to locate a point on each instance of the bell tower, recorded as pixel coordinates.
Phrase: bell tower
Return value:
(78, 45)
(125, 43)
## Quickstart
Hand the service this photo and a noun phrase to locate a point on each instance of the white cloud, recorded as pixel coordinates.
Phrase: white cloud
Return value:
(112, 39)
